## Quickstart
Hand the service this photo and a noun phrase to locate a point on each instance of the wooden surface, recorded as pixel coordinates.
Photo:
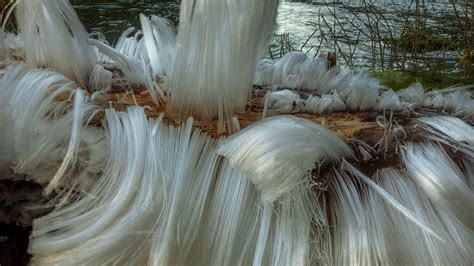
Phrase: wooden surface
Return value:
(358, 129)
(347, 125)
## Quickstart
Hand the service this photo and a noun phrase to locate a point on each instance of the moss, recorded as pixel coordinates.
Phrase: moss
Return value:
(423, 39)
(394, 79)
(431, 79)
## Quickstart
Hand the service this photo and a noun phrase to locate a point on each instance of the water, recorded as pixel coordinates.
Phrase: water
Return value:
(300, 20)
(113, 17)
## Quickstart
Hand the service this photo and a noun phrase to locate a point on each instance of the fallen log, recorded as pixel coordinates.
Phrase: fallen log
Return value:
(350, 126)
(375, 136)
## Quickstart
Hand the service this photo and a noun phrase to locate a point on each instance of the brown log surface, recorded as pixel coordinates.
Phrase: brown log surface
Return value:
(354, 127)
(347, 125)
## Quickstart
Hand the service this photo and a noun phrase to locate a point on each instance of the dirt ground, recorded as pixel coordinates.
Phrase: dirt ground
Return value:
(20, 202)
(14, 245)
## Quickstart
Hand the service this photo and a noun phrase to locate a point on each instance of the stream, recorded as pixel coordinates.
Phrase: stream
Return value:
(345, 33)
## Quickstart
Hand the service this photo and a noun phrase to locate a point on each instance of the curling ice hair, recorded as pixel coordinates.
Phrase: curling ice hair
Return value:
(441, 180)
(218, 49)
(55, 38)
(288, 148)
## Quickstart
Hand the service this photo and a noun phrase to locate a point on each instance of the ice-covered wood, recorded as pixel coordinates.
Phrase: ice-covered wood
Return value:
(347, 125)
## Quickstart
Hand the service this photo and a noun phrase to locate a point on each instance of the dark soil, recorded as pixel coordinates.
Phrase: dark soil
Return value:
(14, 245)
(20, 202)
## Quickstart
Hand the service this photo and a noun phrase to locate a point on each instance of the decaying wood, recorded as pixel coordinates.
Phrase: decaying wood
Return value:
(348, 125)
(343, 123)
(23, 201)
(373, 129)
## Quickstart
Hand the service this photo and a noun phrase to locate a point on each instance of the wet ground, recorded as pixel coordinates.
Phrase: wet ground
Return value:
(20, 202)
(14, 245)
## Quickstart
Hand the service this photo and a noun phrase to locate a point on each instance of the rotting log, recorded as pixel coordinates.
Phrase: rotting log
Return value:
(26, 200)
(374, 129)
(348, 125)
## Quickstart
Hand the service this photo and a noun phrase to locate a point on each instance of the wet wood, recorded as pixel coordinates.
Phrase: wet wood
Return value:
(345, 125)
(380, 133)
(349, 125)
